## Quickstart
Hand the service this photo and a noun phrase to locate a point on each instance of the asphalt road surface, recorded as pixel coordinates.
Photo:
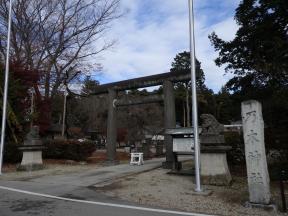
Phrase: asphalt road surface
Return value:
(24, 203)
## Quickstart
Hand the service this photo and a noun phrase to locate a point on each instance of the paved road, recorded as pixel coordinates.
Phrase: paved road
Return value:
(24, 204)
(78, 185)
(100, 175)
(72, 194)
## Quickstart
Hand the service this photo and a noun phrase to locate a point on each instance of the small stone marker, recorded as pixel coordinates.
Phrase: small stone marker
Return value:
(257, 171)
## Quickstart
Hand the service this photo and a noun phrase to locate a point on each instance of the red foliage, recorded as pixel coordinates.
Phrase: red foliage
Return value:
(43, 107)
(25, 79)
(28, 79)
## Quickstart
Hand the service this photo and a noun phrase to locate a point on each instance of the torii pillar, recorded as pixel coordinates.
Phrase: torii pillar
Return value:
(169, 122)
(111, 128)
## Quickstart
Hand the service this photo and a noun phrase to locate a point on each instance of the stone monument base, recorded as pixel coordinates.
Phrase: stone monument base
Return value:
(31, 160)
(268, 207)
(204, 192)
(30, 167)
(214, 168)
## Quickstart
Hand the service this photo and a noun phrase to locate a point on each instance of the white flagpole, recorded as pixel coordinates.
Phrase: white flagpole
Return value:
(5, 88)
(194, 97)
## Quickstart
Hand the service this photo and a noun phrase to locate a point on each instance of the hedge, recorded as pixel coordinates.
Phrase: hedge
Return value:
(68, 149)
(11, 153)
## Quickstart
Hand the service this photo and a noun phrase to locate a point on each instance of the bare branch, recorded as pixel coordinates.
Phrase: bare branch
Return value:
(57, 35)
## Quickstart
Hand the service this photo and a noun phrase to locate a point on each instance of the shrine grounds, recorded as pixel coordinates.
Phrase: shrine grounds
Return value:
(146, 185)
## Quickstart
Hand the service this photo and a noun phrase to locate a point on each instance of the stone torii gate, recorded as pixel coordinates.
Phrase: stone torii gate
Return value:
(165, 79)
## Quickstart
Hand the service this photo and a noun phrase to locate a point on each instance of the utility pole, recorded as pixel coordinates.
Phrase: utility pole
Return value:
(194, 97)
(4, 114)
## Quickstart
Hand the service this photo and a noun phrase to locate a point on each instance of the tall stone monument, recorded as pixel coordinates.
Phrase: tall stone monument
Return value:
(257, 171)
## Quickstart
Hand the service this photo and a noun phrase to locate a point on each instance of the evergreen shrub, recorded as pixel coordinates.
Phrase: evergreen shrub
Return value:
(68, 149)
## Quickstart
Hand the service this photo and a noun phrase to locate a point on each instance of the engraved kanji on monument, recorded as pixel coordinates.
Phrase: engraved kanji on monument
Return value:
(257, 171)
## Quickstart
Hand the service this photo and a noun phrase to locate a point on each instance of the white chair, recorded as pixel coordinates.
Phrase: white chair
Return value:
(136, 159)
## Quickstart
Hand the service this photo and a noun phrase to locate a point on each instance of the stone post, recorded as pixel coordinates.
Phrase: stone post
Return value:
(111, 127)
(257, 171)
(169, 122)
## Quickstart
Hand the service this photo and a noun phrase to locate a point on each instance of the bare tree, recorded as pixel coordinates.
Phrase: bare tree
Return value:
(57, 37)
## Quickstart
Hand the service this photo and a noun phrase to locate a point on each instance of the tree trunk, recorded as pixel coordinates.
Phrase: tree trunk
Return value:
(47, 85)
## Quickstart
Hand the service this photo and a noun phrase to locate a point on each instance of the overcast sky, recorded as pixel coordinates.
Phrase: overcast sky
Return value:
(154, 31)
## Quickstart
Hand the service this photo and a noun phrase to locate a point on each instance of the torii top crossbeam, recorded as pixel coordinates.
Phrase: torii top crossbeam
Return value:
(143, 82)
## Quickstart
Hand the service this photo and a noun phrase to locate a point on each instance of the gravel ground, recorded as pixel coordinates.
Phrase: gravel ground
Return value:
(157, 188)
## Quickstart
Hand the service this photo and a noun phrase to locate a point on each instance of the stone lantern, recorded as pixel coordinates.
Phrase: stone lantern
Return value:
(32, 151)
